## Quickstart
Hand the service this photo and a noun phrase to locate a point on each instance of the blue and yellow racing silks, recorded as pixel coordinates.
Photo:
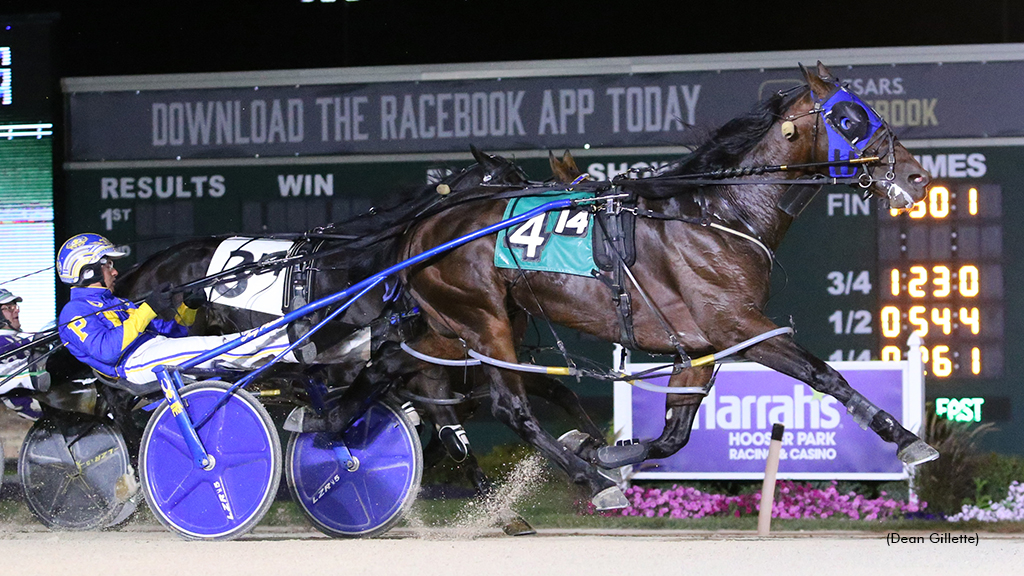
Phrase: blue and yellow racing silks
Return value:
(102, 330)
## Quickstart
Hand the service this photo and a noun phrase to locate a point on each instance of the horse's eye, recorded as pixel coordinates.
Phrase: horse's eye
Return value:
(845, 123)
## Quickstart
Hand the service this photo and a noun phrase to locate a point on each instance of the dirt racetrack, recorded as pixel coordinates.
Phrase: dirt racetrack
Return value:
(153, 552)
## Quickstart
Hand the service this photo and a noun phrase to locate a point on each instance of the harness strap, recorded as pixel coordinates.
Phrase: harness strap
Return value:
(458, 398)
(707, 223)
(298, 281)
(300, 276)
(615, 242)
(623, 305)
(632, 379)
(761, 245)
(435, 360)
(625, 312)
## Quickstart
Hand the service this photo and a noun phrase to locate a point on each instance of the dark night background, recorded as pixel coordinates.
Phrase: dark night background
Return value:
(114, 37)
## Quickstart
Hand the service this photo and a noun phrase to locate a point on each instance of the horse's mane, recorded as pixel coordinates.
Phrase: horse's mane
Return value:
(407, 207)
(726, 147)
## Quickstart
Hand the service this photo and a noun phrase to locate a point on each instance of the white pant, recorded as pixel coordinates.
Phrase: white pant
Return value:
(176, 351)
(22, 380)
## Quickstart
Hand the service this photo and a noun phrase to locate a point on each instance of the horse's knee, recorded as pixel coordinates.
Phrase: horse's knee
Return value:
(509, 408)
(676, 434)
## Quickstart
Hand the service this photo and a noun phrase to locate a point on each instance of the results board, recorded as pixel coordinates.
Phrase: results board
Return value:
(852, 279)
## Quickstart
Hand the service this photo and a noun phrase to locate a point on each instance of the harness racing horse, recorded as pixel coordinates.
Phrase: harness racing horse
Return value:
(697, 284)
(351, 251)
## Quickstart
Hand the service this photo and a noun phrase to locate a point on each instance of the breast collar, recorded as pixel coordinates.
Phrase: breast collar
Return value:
(736, 225)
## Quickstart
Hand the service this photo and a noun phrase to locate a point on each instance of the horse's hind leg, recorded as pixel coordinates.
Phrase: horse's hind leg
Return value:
(461, 299)
(510, 406)
(786, 356)
(560, 395)
(433, 382)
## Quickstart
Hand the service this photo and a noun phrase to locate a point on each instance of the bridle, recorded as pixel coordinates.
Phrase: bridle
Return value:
(858, 153)
(855, 131)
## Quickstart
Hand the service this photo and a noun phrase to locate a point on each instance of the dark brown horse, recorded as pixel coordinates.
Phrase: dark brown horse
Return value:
(353, 250)
(707, 287)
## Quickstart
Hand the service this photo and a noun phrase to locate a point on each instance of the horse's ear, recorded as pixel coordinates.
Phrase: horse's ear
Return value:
(484, 159)
(556, 166)
(819, 85)
(824, 73)
(478, 155)
(564, 170)
(570, 163)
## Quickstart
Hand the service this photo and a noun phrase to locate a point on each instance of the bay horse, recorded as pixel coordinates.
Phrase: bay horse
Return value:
(706, 288)
(353, 250)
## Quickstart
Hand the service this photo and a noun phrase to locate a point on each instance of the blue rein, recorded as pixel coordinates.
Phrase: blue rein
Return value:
(170, 376)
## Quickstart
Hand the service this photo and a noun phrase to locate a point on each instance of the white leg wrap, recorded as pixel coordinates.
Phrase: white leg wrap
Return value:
(862, 410)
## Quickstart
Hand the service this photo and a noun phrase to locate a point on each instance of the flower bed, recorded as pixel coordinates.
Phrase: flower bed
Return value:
(1009, 509)
(794, 500)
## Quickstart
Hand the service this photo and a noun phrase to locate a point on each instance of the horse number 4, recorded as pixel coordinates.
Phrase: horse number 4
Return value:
(842, 283)
(531, 235)
(111, 215)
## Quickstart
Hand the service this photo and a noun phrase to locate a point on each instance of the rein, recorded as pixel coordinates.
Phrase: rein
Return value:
(733, 176)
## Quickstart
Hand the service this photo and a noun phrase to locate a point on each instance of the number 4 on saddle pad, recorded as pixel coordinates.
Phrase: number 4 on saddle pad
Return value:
(551, 242)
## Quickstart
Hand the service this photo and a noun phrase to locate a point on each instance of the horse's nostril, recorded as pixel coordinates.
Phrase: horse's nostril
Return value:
(919, 178)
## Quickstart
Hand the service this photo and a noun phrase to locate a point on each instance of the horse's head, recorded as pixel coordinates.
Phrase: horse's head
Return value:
(840, 126)
(489, 170)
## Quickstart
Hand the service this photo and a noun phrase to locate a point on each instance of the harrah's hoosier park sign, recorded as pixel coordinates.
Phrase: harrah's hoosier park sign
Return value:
(732, 430)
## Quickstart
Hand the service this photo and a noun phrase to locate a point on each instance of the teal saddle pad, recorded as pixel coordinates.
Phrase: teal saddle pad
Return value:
(556, 241)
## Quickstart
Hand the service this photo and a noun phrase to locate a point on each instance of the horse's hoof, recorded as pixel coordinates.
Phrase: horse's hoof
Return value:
(917, 453)
(455, 441)
(610, 498)
(573, 440)
(619, 456)
(518, 526)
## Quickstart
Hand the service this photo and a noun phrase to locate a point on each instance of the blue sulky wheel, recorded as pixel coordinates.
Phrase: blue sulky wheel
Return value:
(368, 499)
(229, 499)
(76, 473)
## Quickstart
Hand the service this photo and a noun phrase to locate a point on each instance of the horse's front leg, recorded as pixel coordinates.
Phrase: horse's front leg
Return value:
(784, 355)
(680, 412)
(431, 381)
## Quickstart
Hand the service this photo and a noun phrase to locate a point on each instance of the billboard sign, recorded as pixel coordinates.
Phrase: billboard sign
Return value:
(678, 108)
(733, 426)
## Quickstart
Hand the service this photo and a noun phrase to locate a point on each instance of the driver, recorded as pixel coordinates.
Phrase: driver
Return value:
(11, 336)
(119, 339)
(17, 382)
